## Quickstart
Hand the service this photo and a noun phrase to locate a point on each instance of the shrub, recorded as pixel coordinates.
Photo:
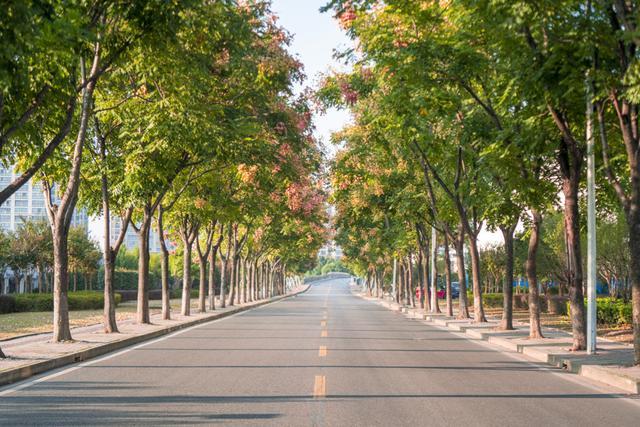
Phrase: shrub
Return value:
(610, 311)
(177, 293)
(82, 300)
(34, 302)
(492, 300)
(7, 304)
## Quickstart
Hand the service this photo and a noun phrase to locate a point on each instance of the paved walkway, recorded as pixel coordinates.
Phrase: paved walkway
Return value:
(612, 363)
(322, 358)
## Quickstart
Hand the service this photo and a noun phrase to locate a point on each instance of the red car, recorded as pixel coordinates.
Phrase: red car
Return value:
(441, 293)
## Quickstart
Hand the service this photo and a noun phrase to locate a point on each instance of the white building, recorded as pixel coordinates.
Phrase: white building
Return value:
(131, 237)
(28, 204)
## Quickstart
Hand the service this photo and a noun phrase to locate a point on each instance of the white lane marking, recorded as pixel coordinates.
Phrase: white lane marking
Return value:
(64, 371)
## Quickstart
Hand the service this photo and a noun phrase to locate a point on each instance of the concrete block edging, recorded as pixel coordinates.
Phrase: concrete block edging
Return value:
(599, 373)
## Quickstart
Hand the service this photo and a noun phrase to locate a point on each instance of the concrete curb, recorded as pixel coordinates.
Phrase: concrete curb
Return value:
(604, 373)
(20, 373)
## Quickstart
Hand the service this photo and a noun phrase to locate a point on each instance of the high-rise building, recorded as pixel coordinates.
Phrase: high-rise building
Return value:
(28, 203)
(131, 237)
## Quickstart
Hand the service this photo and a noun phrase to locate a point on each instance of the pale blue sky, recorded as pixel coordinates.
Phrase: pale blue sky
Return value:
(315, 36)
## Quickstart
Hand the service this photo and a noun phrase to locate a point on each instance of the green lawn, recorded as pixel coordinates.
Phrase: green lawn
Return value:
(15, 324)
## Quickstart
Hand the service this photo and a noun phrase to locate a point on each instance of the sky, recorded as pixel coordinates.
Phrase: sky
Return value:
(315, 37)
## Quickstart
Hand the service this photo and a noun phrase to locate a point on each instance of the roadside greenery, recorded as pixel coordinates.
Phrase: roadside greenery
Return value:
(470, 115)
(175, 116)
(81, 300)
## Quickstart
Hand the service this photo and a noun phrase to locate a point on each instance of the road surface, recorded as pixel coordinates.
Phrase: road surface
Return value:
(323, 358)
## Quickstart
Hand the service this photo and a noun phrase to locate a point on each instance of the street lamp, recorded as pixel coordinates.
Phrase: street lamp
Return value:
(591, 225)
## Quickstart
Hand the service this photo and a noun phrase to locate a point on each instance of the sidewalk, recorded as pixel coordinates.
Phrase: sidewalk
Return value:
(35, 354)
(611, 365)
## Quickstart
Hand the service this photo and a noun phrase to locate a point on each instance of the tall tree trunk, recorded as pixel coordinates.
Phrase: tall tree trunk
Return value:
(410, 283)
(463, 310)
(233, 275)
(506, 324)
(433, 305)
(164, 267)
(212, 276)
(570, 187)
(243, 279)
(61, 214)
(224, 270)
(421, 279)
(634, 271)
(61, 329)
(447, 279)
(40, 282)
(232, 281)
(202, 259)
(237, 279)
(186, 279)
(202, 285)
(535, 330)
(478, 309)
(142, 310)
(403, 284)
(109, 316)
(425, 275)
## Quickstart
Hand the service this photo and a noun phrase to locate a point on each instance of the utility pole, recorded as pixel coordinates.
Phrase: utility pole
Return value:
(591, 225)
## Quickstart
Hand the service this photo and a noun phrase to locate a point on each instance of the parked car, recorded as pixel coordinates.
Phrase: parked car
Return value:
(455, 291)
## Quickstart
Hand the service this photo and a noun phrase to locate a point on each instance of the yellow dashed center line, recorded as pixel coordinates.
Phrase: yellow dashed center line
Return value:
(324, 334)
(320, 387)
(323, 351)
(323, 323)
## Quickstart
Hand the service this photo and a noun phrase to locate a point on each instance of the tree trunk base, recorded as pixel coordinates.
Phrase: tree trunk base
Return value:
(111, 329)
(504, 326)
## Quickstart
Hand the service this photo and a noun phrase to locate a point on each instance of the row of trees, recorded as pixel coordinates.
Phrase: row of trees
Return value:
(29, 250)
(474, 113)
(612, 256)
(174, 115)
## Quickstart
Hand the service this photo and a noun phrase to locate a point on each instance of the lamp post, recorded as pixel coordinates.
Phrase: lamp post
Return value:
(591, 225)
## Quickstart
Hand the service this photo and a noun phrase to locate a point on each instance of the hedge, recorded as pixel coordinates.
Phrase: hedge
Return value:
(125, 279)
(495, 300)
(177, 293)
(610, 311)
(492, 300)
(82, 300)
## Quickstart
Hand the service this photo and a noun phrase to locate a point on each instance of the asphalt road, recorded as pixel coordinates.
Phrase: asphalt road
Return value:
(324, 358)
